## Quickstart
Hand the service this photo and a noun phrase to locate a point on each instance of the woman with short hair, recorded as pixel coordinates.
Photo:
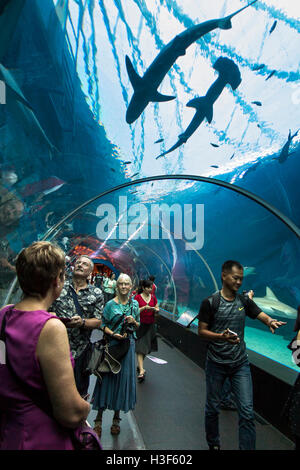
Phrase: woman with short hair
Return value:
(38, 352)
(118, 391)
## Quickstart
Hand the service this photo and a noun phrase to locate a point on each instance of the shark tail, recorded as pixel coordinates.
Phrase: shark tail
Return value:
(201, 104)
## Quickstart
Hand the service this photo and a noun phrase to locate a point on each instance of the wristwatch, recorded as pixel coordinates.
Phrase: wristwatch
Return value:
(83, 323)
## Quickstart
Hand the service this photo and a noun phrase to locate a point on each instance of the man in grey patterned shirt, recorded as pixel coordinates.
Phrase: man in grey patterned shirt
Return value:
(80, 306)
(223, 328)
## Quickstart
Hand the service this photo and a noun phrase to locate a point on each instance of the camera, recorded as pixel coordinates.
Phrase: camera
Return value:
(127, 327)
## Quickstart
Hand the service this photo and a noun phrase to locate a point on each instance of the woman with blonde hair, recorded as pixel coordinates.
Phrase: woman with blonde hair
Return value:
(118, 392)
(36, 360)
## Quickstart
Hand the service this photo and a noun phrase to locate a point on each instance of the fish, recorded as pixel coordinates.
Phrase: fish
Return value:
(214, 166)
(286, 148)
(228, 74)
(135, 174)
(273, 27)
(45, 186)
(258, 67)
(126, 163)
(232, 156)
(272, 306)
(22, 110)
(145, 87)
(258, 103)
(215, 145)
(249, 270)
(270, 75)
(158, 141)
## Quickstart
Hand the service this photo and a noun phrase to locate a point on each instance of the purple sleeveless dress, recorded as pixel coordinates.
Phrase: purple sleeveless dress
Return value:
(24, 426)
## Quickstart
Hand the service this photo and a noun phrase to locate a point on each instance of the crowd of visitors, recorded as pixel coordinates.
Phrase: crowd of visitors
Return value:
(46, 348)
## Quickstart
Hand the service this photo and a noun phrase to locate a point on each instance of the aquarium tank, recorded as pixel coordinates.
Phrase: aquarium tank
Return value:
(160, 137)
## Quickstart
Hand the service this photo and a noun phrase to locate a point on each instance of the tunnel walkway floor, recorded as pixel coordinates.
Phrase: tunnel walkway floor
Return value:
(169, 414)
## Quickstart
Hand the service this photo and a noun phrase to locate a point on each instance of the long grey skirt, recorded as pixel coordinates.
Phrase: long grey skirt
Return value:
(118, 391)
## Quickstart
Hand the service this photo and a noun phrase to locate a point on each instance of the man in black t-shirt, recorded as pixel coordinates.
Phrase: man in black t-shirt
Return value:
(226, 355)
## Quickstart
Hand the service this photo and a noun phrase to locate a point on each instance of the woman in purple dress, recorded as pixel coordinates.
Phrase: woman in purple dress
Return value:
(37, 347)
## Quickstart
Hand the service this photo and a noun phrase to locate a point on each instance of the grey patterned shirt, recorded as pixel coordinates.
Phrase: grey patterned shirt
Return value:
(92, 303)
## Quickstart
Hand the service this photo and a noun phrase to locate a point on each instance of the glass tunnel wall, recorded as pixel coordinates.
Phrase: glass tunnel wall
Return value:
(65, 138)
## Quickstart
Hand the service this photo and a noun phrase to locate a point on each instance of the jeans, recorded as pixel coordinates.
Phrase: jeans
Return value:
(241, 383)
(227, 397)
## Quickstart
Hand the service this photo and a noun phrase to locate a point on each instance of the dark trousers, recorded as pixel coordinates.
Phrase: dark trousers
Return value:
(241, 383)
(82, 379)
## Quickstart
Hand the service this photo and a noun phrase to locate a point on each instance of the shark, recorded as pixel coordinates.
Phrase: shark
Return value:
(145, 88)
(248, 270)
(271, 305)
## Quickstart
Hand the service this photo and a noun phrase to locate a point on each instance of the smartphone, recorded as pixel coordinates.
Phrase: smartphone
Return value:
(231, 332)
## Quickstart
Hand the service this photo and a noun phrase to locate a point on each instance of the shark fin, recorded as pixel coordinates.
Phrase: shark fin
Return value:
(158, 97)
(201, 104)
(270, 294)
(134, 77)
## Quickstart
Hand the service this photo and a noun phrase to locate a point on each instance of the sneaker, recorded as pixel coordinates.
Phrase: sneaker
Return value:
(214, 447)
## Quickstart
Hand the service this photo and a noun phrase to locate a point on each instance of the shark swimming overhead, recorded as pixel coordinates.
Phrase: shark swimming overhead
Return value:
(145, 88)
(229, 74)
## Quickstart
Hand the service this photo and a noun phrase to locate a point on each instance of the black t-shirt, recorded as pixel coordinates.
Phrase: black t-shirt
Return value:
(230, 314)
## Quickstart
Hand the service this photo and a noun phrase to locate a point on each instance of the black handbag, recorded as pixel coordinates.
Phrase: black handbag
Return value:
(83, 437)
(106, 357)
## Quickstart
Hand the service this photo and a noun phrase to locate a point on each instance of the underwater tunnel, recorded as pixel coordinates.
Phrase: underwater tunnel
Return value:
(160, 153)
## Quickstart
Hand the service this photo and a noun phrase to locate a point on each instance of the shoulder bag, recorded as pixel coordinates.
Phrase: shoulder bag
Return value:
(106, 357)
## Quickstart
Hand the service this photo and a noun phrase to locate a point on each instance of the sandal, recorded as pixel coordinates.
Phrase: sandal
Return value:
(98, 428)
(141, 377)
(115, 427)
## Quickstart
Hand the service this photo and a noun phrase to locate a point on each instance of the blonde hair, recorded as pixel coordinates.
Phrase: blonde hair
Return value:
(38, 266)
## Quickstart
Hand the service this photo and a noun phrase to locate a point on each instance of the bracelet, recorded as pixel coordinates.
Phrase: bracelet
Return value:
(83, 323)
